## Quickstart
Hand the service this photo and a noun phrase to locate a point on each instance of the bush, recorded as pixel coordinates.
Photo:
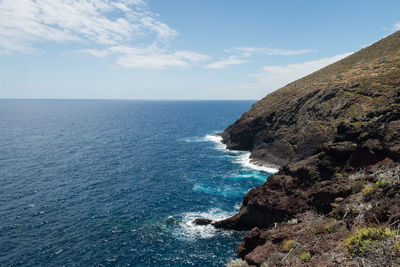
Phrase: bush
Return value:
(306, 256)
(288, 245)
(329, 228)
(363, 239)
(368, 192)
(382, 183)
(397, 245)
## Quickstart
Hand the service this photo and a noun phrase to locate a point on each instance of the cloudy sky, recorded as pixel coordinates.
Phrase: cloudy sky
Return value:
(177, 49)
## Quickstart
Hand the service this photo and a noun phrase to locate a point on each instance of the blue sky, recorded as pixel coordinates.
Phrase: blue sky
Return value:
(177, 49)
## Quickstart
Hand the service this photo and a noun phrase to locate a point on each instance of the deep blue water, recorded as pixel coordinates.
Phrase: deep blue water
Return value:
(118, 182)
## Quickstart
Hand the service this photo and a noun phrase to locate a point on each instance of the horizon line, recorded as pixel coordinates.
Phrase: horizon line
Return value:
(128, 99)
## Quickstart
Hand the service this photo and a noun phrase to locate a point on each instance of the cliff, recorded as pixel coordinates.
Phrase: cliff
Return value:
(290, 123)
(336, 136)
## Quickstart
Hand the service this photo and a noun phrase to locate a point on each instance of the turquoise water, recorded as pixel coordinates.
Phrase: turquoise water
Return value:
(109, 183)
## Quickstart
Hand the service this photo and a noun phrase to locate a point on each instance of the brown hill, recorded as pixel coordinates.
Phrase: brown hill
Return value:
(336, 135)
(290, 123)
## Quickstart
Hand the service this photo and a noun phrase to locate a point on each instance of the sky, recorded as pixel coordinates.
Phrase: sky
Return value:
(178, 49)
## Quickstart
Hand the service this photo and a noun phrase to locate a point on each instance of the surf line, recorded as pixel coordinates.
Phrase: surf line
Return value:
(243, 158)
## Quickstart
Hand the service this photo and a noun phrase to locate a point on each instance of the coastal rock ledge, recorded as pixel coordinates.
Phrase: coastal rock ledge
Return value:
(336, 199)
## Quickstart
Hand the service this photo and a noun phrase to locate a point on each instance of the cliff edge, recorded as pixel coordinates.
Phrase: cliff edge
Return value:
(336, 136)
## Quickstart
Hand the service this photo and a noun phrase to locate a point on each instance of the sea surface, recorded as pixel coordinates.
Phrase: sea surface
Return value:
(104, 183)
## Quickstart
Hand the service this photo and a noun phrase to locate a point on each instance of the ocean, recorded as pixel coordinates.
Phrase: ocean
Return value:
(106, 183)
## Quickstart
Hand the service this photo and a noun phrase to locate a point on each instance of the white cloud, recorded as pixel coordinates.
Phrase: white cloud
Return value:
(396, 26)
(271, 78)
(151, 57)
(249, 51)
(224, 63)
(274, 77)
(125, 29)
(23, 23)
(245, 52)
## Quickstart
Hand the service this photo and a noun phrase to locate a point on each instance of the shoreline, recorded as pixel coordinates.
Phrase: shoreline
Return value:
(244, 158)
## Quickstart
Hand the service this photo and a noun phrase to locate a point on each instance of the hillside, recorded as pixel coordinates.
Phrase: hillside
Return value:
(336, 136)
(290, 123)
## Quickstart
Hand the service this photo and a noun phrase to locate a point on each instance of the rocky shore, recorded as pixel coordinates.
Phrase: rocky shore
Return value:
(336, 135)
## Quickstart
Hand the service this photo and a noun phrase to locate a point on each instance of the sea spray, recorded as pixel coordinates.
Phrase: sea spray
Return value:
(243, 158)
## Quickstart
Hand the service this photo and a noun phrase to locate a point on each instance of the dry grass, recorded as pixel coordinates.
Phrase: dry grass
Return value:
(359, 175)
(390, 175)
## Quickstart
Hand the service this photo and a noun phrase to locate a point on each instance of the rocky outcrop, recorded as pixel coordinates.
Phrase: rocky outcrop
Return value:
(336, 134)
(315, 182)
(202, 221)
(317, 202)
(289, 124)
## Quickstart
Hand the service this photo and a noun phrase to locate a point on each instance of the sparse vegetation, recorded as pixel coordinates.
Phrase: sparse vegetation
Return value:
(389, 175)
(368, 192)
(365, 238)
(358, 185)
(329, 228)
(374, 246)
(305, 256)
(382, 183)
(288, 245)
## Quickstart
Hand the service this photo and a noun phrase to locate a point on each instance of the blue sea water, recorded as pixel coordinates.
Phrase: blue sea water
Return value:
(103, 183)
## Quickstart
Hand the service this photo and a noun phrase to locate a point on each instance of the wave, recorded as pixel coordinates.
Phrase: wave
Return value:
(245, 161)
(187, 230)
(217, 140)
(243, 158)
(195, 140)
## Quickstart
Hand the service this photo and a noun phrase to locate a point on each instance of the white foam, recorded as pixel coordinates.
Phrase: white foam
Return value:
(189, 231)
(245, 161)
(195, 140)
(243, 158)
(217, 139)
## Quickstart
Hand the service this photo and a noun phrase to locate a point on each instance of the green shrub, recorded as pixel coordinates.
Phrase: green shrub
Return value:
(382, 183)
(364, 238)
(368, 192)
(397, 245)
(288, 245)
(306, 256)
(339, 175)
(329, 228)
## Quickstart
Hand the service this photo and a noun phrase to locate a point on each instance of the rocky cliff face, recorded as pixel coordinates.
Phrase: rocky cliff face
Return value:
(290, 123)
(333, 133)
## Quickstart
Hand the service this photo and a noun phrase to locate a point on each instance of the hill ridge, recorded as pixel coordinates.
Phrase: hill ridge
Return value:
(343, 86)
